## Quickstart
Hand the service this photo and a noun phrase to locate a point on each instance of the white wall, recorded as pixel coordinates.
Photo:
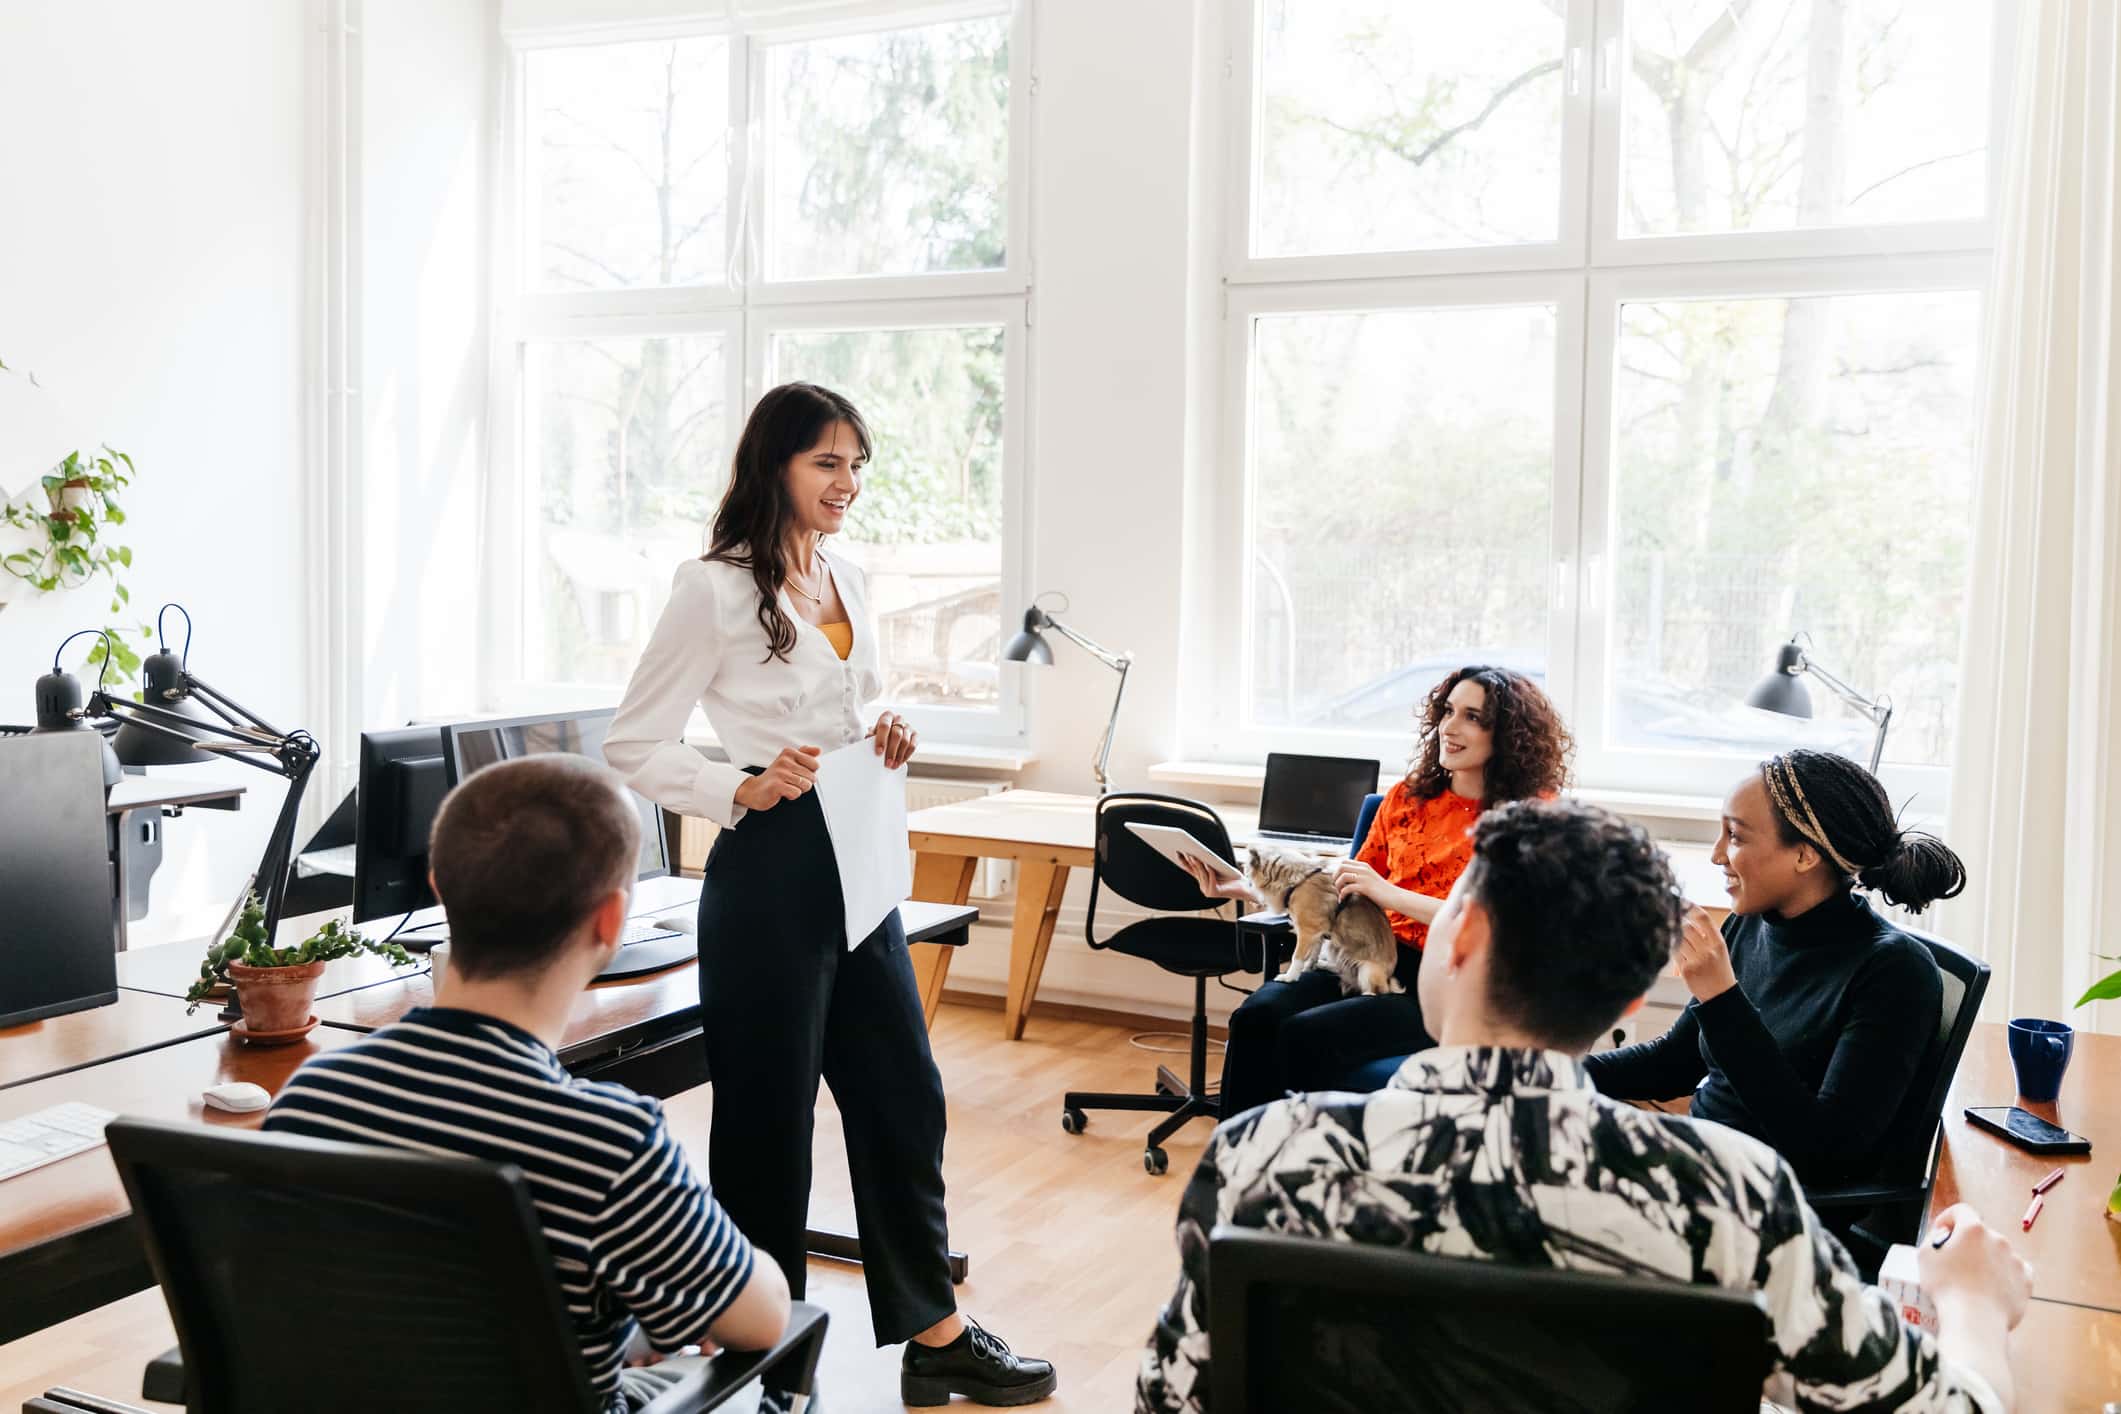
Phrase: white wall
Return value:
(426, 75)
(152, 275)
(1124, 250)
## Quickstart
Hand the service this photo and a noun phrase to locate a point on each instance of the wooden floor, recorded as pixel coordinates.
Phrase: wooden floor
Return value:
(1070, 1240)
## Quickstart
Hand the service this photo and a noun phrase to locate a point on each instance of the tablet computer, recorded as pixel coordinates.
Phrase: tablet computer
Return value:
(1172, 842)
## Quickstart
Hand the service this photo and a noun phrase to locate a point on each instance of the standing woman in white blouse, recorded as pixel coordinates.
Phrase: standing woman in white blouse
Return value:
(772, 637)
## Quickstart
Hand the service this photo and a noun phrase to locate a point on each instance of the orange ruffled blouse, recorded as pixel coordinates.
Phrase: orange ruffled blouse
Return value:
(1420, 845)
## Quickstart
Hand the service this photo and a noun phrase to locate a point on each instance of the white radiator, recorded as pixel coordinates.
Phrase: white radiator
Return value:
(994, 877)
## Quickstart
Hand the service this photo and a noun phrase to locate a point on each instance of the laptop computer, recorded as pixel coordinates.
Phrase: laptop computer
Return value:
(1310, 802)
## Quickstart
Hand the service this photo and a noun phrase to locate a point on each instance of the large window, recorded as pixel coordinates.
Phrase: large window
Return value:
(1614, 341)
(697, 215)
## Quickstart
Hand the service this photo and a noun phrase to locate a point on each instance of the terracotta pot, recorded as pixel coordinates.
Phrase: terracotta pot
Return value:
(275, 998)
(70, 496)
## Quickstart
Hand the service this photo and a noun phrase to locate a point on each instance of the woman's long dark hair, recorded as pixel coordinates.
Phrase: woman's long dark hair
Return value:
(751, 525)
(1838, 808)
(1531, 756)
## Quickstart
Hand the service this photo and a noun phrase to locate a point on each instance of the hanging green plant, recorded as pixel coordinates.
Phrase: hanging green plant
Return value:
(70, 541)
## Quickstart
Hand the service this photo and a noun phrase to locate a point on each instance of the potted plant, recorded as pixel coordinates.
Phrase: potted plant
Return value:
(277, 986)
(69, 539)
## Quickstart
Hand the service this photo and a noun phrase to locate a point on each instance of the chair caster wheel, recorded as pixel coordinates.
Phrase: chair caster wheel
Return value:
(1155, 1160)
(1074, 1120)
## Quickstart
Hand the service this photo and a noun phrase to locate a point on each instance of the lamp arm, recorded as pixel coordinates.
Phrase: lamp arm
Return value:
(224, 705)
(1875, 710)
(279, 845)
(174, 726)
(1104, 743)
(1115, 661)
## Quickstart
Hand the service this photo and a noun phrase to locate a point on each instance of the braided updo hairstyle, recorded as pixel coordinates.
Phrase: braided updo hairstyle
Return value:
(1838, 808)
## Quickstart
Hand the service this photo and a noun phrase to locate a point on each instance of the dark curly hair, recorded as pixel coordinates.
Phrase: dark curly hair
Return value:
(1532, 747)
(1584, 911)
(1838, 808)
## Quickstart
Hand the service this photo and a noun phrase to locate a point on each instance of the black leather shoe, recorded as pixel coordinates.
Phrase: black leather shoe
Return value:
(977, 1365)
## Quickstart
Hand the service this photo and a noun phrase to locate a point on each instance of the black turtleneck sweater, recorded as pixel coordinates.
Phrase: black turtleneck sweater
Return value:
(1814, 1049)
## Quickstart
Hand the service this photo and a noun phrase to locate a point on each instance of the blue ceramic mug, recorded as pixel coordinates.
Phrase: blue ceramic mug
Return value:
(2040, 1053)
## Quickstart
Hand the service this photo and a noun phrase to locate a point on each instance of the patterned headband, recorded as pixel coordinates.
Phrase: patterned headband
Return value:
(1784, 786)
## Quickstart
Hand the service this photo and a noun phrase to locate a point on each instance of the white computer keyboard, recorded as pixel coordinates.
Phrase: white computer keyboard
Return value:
(50, 1135)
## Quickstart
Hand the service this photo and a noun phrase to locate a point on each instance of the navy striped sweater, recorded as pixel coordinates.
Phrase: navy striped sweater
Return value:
(635, 1234)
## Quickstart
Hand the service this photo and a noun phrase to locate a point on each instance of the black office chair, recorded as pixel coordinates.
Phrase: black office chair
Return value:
(1306, 1323)
(1199, 948)
(1889, 1208)
(340, 1279)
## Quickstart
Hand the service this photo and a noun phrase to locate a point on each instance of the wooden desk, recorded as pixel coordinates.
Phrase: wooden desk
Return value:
(2074, 1249)
(168, 970)
(2066, 1357)
(1046, 834)
(66, 1238)
(135, 1022)
(612, 1020)
(159, 795)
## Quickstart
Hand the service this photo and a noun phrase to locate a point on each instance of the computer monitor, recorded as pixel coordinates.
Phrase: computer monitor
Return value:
(472, 745)
(57, 947)
(403, 776)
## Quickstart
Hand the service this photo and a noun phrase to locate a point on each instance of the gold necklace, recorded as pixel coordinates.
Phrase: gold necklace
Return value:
(817, 599)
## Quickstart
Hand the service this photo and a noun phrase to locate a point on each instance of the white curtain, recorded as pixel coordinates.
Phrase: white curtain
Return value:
(2036, 784)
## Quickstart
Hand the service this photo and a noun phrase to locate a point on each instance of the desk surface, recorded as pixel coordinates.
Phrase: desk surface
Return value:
(1048, 819)
(2074, 1249)
(77, 1192)
(168, 969)
(142, 792)
(136, 1021)
(606, 1014)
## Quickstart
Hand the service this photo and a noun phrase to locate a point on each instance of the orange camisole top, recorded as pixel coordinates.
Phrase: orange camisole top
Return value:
(840, 636)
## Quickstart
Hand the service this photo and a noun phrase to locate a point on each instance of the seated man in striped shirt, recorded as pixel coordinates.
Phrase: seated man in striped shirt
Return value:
(533, 861)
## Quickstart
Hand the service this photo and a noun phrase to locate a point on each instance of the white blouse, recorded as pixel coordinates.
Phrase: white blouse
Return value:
(709, 648)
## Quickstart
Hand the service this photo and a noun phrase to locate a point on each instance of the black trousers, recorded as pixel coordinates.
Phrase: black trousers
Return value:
(1304, 1035)
(783, 1001)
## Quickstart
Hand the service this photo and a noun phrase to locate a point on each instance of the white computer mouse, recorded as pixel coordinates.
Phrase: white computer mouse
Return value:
(238, 1095)
(686, 923)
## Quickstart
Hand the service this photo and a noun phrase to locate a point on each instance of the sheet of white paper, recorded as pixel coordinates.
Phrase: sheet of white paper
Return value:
(865, 813)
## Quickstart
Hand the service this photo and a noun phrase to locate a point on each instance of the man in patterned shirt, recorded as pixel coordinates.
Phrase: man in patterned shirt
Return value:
(533, 860)
(1495, 1145)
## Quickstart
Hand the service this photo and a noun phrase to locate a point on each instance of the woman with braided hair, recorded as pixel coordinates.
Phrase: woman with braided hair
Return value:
(1811, 1012)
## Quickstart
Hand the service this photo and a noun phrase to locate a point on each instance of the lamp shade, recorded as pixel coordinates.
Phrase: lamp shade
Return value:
(1782, 690)
(1030, 645)
(162, 685)
(59, 705)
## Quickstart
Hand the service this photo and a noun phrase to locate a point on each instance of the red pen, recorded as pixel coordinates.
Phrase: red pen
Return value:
(2049, 1182)
(2026, 1224)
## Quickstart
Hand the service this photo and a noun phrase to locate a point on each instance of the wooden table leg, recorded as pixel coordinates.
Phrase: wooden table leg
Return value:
(937, 878)
(1039, 885)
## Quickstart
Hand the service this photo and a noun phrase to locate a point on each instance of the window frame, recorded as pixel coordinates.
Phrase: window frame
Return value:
(1591, 270)
(744, 309)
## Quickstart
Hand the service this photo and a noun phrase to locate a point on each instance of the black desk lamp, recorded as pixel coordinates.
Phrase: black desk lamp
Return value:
(1030, 646)
(182, 721)
(1780, 691)
(59, 706)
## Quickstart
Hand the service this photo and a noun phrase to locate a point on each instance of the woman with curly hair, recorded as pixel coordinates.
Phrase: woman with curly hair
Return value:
(1488, 736)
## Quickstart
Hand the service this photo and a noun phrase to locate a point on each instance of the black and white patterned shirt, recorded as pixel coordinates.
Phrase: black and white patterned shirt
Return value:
(634, 1233)
(1518, 1139)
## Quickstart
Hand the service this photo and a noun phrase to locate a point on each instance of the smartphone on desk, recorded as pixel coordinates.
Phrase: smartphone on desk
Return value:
(2027, 1130)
